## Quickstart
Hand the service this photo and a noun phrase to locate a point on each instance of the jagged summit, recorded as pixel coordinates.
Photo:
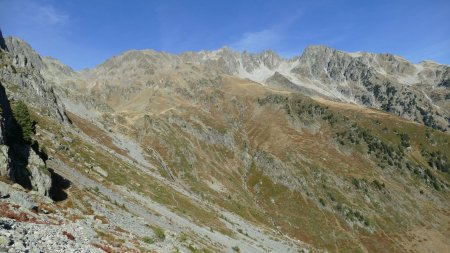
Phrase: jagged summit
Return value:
(382, 81)
(314, 50)
(24, 54)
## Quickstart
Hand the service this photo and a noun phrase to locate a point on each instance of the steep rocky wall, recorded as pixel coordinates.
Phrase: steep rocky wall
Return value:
(18, 161)
(20, 66)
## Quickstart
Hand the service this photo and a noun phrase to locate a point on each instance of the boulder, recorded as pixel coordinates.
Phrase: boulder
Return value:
(4, 161)
(100, 171)
(40, 177)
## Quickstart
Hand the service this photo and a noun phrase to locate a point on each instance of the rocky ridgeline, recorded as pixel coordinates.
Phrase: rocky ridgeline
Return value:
(418, 92)
(20, 67)
(382, 81)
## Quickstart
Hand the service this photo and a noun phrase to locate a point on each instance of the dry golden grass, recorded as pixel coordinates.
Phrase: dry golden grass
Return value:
(96, 133)
(310, 153)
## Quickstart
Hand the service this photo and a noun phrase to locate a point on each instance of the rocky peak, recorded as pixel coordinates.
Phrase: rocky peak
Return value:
(55, 67)
(22, 67)
(140, 59)
(326, 64)
(313, 51)
(233, 62)
(23, 54)
(268, 59)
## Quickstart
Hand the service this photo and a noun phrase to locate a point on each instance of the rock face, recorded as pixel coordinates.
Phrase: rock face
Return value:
(21, 164)
(383, 81)
(4, 160)
(2, 129)
(23, 55)
(21, 67)
(39, 175)
(18, 161)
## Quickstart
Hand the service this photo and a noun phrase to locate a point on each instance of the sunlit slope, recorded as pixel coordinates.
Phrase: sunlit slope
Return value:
(337, 176)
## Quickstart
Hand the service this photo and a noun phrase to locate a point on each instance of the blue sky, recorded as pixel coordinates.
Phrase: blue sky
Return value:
(84, 33)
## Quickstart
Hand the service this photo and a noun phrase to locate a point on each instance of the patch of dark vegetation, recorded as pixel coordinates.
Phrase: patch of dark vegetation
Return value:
(364, 185)
(405, 140)
(26, 126)
(389, 155)
(437, 160)
(352, 215)
(385, 152)
(304, 108)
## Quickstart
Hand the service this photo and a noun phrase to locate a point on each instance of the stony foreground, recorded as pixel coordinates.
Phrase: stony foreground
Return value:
(29, 237)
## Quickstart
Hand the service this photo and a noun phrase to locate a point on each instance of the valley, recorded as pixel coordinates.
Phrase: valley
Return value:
(221, 151)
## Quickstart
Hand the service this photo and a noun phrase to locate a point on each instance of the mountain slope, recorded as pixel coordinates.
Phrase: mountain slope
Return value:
(417, 92)
(180, 152)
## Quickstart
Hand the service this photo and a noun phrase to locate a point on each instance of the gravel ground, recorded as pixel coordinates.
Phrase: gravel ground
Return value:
(30, 237)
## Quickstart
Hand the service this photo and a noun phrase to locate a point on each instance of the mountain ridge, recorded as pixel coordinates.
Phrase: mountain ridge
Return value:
(159, 153)
(382, 81)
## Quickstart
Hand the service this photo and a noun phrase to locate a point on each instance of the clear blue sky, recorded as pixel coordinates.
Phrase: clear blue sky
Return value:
(84, 33)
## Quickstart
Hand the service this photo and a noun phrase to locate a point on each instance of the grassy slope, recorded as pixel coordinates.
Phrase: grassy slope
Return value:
(295, 165)
(308, 186)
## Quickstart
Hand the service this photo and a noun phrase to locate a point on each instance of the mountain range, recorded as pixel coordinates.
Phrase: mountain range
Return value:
(224, 151)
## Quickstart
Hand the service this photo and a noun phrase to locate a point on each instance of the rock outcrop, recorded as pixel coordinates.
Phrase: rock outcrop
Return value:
(19, 72)
(18, 161)
(23, 55)
(4, 160)
(20, 67)
(40, 177)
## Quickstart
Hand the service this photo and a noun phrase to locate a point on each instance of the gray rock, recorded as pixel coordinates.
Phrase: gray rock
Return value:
(4, 241)
(23, 69)
(4, 161)
(40, 176)
(69, 140)
(24, 55)
(100, 171)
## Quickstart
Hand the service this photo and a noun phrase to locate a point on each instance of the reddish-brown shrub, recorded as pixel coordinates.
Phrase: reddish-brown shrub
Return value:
(69, 235)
